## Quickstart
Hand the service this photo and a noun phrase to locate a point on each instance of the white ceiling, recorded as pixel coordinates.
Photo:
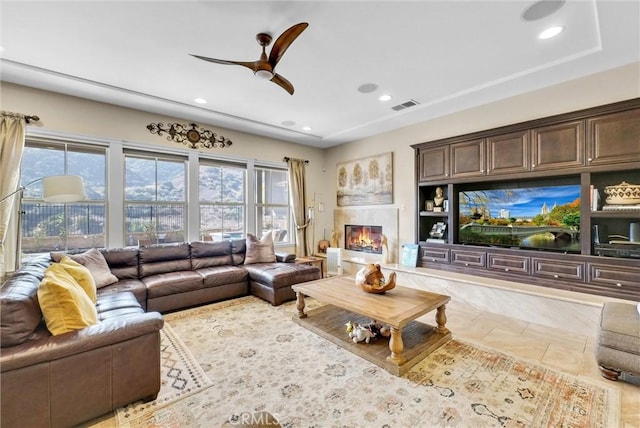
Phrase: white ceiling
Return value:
(446, 55)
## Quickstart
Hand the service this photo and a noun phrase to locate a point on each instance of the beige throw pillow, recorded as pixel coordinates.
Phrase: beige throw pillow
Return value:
(94, 261)
(259, 251)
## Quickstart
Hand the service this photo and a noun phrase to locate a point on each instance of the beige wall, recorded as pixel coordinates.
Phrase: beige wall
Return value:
(98, 120)
(95, 120)
(616, 85)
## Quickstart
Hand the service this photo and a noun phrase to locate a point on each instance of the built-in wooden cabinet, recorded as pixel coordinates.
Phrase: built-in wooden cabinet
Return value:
(613, 138)
(558, 146)
(468, 158)
(433, 164)
(508, 153)
(592, 148)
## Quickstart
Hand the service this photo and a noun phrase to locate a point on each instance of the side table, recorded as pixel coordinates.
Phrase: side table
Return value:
(310, 260)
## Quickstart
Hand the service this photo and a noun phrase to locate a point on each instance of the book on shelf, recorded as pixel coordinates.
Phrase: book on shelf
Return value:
(435, 240)
(438, 230)
(634, 207)
(594, 198)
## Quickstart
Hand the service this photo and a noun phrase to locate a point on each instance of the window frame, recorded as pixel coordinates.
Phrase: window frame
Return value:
(33, 200)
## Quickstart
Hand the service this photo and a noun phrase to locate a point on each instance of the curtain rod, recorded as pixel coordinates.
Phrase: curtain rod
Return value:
(29, 118)
(287, 159)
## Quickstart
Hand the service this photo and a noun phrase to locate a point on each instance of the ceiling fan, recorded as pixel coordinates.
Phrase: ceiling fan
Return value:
(265, 66)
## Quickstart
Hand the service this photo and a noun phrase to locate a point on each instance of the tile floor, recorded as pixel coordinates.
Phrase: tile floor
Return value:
(550, 347)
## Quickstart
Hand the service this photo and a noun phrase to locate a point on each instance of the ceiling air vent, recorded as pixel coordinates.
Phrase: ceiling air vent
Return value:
(403, 106)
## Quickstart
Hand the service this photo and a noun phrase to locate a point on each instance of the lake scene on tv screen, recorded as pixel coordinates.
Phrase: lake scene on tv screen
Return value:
(533, 217)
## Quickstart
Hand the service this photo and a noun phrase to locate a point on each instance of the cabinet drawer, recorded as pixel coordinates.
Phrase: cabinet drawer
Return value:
(617, 276)
(506, 263)
(468, 258)
(435, 255)
(557, 269)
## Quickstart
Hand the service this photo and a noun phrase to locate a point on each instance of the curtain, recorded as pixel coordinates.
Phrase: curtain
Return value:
(298, 195)
(12, 132)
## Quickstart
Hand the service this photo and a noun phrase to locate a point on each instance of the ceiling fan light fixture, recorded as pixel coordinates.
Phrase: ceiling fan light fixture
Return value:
(264, 74)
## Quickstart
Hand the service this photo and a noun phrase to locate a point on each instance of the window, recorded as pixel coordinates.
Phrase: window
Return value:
(272, 204)
(222, 200)
(63, 226)
(155, 199)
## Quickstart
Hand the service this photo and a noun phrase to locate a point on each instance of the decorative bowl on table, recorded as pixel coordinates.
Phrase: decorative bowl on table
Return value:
(622, 194)
(371, 279)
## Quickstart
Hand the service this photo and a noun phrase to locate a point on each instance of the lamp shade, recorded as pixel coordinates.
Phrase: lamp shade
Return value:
(63, 188)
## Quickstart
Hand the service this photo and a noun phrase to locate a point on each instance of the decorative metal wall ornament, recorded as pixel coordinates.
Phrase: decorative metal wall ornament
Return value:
(193, 137)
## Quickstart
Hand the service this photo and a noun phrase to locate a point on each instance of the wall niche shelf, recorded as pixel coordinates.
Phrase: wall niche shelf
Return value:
(585, 150)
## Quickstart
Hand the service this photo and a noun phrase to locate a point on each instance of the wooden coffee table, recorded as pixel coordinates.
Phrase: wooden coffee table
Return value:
(398, 308)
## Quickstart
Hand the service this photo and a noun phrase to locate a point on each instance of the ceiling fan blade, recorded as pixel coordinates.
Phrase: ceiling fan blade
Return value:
(284, 83)
(253, 65)
(284, 41)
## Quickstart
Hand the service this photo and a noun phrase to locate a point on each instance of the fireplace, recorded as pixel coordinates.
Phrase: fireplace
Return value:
(363, 238)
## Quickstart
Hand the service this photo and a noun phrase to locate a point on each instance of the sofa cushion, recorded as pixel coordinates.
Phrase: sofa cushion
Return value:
(238, 249)
(222, 275)
(259, 250)
(164, 259)
(135, 286)
(65, 305)
(123, 262)
(166, 284)
(19, 309)
(82, 276)
(210, 254)
(278, 275)
(94, 261)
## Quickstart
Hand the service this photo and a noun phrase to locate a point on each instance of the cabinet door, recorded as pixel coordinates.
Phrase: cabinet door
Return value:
(433, 163)
(508, 153)
(558, 269)
(468, 159)
(614, 138)
(558, 146)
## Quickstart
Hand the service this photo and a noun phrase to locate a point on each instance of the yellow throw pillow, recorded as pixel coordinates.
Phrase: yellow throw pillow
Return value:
(82, 276)
(65, 305)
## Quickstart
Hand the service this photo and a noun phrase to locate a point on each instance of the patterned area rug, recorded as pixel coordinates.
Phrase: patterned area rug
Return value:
(262, 363)
(181, 376)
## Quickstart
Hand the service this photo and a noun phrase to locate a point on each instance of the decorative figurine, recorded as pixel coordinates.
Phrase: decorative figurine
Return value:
(371, 279)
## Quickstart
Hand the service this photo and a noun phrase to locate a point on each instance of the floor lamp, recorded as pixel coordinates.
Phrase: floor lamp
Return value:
(57, 189)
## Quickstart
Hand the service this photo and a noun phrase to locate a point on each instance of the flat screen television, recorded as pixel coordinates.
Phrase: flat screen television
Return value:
(533, 217)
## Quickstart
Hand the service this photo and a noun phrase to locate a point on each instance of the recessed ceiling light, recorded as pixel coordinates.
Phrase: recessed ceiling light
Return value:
(306, 128)
(367, 88)
(288, 123)
(200, 100)
(550, 32)
(385, 97)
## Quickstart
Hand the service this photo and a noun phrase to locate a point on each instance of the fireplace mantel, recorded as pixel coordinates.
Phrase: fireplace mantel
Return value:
(385, 217)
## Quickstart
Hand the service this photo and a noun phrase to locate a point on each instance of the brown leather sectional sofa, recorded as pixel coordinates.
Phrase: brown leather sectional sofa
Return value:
(71, 378)
(169, 277)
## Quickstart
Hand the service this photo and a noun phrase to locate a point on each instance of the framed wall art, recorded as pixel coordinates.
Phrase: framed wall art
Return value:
(365, 181)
